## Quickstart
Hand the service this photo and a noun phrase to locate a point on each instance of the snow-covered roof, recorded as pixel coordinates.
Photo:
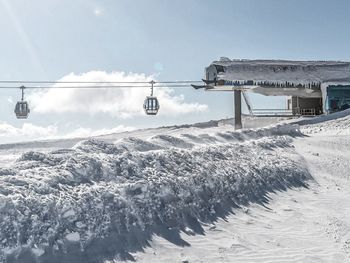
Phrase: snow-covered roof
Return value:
(279, 72)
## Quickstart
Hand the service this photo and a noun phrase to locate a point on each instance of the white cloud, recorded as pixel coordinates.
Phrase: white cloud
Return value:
(29, 131)
(122, 103)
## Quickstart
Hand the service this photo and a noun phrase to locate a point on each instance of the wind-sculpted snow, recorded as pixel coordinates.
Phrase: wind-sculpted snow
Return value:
(100, 201)
(333, 124)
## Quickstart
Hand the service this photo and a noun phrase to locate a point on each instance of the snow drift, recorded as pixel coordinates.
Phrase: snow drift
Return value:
(333, 124)
(100, 201)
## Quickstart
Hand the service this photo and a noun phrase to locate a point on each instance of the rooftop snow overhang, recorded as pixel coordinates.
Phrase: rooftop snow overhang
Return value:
(278, 72)
(255, 75)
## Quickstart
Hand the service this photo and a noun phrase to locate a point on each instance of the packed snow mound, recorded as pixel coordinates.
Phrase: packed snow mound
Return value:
(100, 201)
(332, 124)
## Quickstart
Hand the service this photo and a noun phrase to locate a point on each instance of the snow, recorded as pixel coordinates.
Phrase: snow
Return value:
(182, 194)
(9, 153)
(73, 237)
(69, 213)
(127, 190)
(38, 252)
(280, 71)
(306, 79)
(298, 225)
(333, 124)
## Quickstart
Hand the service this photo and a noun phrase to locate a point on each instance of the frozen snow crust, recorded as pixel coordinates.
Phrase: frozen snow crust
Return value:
(100, 201)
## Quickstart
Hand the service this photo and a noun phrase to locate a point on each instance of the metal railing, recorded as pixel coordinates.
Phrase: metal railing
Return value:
(283, 112)
(308, 112)
(272, 112)
(304, 112)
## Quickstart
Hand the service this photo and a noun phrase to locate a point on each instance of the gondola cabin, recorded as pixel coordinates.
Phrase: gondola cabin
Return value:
(22, 110)
(22, 107)
(151, 105)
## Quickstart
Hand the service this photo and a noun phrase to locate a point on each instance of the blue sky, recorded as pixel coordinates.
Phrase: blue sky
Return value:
(169, 39)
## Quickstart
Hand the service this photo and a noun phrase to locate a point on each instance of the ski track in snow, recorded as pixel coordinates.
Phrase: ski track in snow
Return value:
(184, 195)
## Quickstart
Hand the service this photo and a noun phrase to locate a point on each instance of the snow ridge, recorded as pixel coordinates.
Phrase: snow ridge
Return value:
(100, 201)
(333, 124)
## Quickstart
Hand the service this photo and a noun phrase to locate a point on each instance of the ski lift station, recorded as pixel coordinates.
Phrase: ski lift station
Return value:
(312, 87)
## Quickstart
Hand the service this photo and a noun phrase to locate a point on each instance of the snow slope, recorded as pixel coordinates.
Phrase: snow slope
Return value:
(9, 153)
(297, 225)
(101, 201)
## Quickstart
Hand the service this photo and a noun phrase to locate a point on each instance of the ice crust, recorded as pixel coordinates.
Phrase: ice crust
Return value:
(100, 201)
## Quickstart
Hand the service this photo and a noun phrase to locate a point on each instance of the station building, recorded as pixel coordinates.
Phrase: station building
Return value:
(312, 87)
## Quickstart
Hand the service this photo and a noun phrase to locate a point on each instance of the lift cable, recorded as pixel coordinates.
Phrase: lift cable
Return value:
(97, 82)
(151, 103)
(98, 86)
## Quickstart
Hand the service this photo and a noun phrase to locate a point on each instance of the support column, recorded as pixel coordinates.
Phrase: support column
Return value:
(295, 106)
(238, 109)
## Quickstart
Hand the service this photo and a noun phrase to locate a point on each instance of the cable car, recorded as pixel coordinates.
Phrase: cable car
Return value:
(22, 107)
(151, 104)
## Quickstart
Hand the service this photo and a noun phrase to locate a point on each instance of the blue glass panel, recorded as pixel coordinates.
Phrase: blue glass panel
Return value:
(338, 98)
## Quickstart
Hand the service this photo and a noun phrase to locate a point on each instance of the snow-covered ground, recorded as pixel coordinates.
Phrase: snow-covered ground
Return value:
(181, 194)
(298, 225)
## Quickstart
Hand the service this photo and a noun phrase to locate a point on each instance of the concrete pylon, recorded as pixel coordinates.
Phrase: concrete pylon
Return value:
(238, 109)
